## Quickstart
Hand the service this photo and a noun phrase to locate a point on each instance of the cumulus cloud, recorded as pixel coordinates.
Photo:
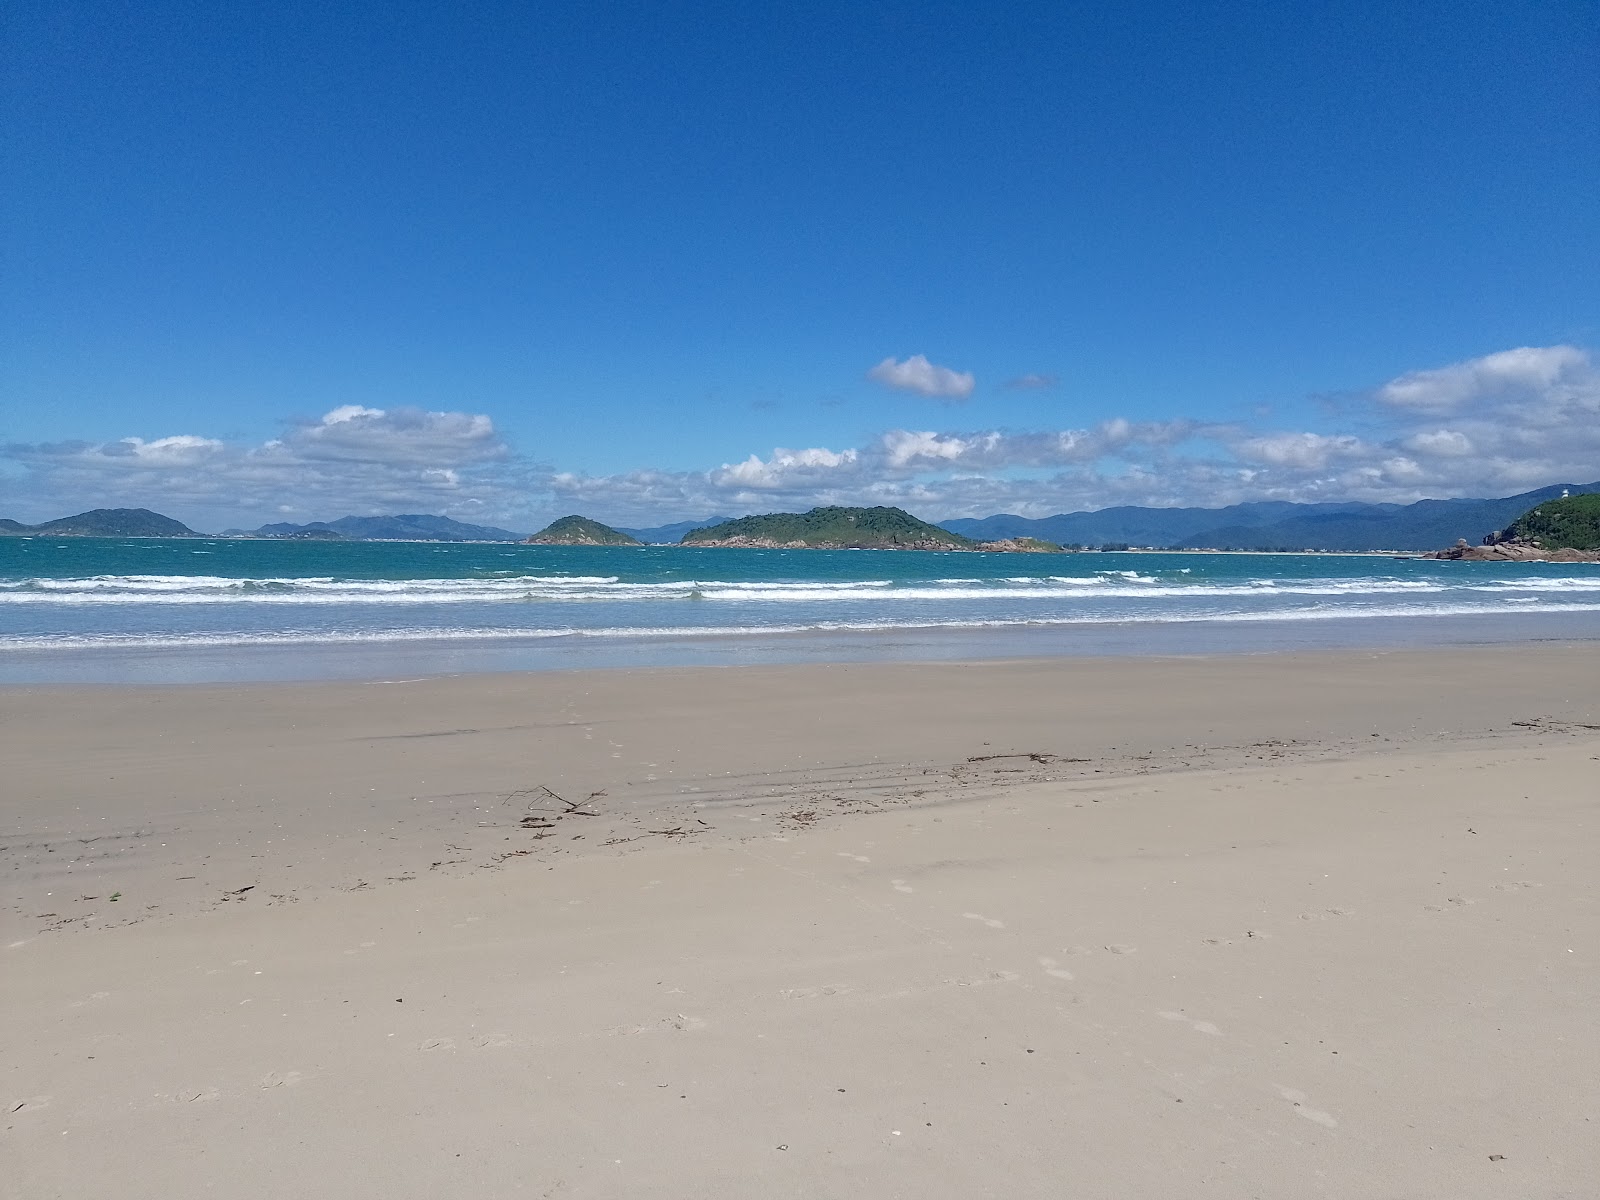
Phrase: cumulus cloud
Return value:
(785, 468)
(351, 459)
(917, 374)
(1496, 425)
(1528, 371)
(1304, 451)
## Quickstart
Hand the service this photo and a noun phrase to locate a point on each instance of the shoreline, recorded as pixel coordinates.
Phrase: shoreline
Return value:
(365, 660)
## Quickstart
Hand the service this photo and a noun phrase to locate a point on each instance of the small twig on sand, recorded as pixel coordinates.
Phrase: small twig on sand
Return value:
(574, 807)
(1037, 756)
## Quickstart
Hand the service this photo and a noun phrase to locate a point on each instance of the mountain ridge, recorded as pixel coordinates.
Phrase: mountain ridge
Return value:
(1275, 524)
(103, 522)
(402, 527)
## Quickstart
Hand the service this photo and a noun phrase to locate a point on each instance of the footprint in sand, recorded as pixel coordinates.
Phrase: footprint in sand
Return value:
(811, 993)
(985, 980)
(31, 1104)
(277, 1079)
(1120, 948)
(1053, 969)
(1205, 1027)
(900, 885)
(443, 1043)
(860, 858)
(1298, 1099)
(497, 1041)
(989, 921)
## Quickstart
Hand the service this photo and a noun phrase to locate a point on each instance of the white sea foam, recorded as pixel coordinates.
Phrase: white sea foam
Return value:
(201, 640)
(504, 588)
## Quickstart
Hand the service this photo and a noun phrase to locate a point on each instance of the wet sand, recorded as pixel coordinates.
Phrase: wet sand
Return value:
(1318, 924)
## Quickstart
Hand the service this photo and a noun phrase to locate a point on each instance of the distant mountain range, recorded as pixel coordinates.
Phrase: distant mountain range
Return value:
(407, 527)
(1275, 525)
(1264, 525)
(665, 535)
(103, 522)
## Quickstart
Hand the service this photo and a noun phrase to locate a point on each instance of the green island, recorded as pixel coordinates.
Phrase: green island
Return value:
(103, 522)
(581, 531)
(838, 528)
(831, 528)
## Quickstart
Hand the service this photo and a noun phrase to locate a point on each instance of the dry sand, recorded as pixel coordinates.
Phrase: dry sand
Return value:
(1316, 925)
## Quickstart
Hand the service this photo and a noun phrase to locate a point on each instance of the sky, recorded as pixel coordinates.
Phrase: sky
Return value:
(658, 262)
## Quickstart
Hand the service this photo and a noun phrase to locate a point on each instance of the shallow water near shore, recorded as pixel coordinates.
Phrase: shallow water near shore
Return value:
(159, 610)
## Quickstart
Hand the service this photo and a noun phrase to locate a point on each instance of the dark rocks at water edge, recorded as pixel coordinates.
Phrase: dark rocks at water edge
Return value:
(1515, 552)
(1022, 545)
(103, 522)
(581, 531)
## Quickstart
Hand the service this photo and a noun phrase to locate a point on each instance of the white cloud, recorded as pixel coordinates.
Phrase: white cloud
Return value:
(349, 412)
(353, 459)
(917, 374)
(905, 447)
(784, 469)
(1440, 443)
(1516, 420)
(1307, 451)
(1526, 370)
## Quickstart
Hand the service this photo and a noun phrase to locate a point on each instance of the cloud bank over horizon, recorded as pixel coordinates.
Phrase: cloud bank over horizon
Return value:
(1495, 425)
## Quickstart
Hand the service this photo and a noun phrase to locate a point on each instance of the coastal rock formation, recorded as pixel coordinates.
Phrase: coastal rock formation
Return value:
(1022, 545)
(1515, 552)
(581, 531)
(1562, 530)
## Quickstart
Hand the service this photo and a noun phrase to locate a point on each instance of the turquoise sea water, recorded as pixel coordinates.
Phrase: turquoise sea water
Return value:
(100, 607)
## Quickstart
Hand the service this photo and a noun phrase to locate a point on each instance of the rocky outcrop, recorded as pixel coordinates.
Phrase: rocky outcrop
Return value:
(1021, 545)
(1514, 551)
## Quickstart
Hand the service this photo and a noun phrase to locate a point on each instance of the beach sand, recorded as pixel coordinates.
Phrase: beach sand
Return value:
(1288, 925)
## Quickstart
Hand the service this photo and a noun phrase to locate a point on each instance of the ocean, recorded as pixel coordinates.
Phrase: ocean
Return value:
(157, 610)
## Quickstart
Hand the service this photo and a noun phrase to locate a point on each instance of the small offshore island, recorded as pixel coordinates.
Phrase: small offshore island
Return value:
(836, 528)
(580, 531)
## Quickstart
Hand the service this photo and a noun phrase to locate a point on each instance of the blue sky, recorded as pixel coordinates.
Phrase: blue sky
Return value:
(663, 261)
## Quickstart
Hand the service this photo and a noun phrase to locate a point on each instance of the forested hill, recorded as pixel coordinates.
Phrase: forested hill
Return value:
(103, 522)
(831, 528)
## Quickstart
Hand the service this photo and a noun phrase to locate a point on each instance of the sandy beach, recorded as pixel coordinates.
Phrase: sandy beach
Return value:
(1318, 924)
